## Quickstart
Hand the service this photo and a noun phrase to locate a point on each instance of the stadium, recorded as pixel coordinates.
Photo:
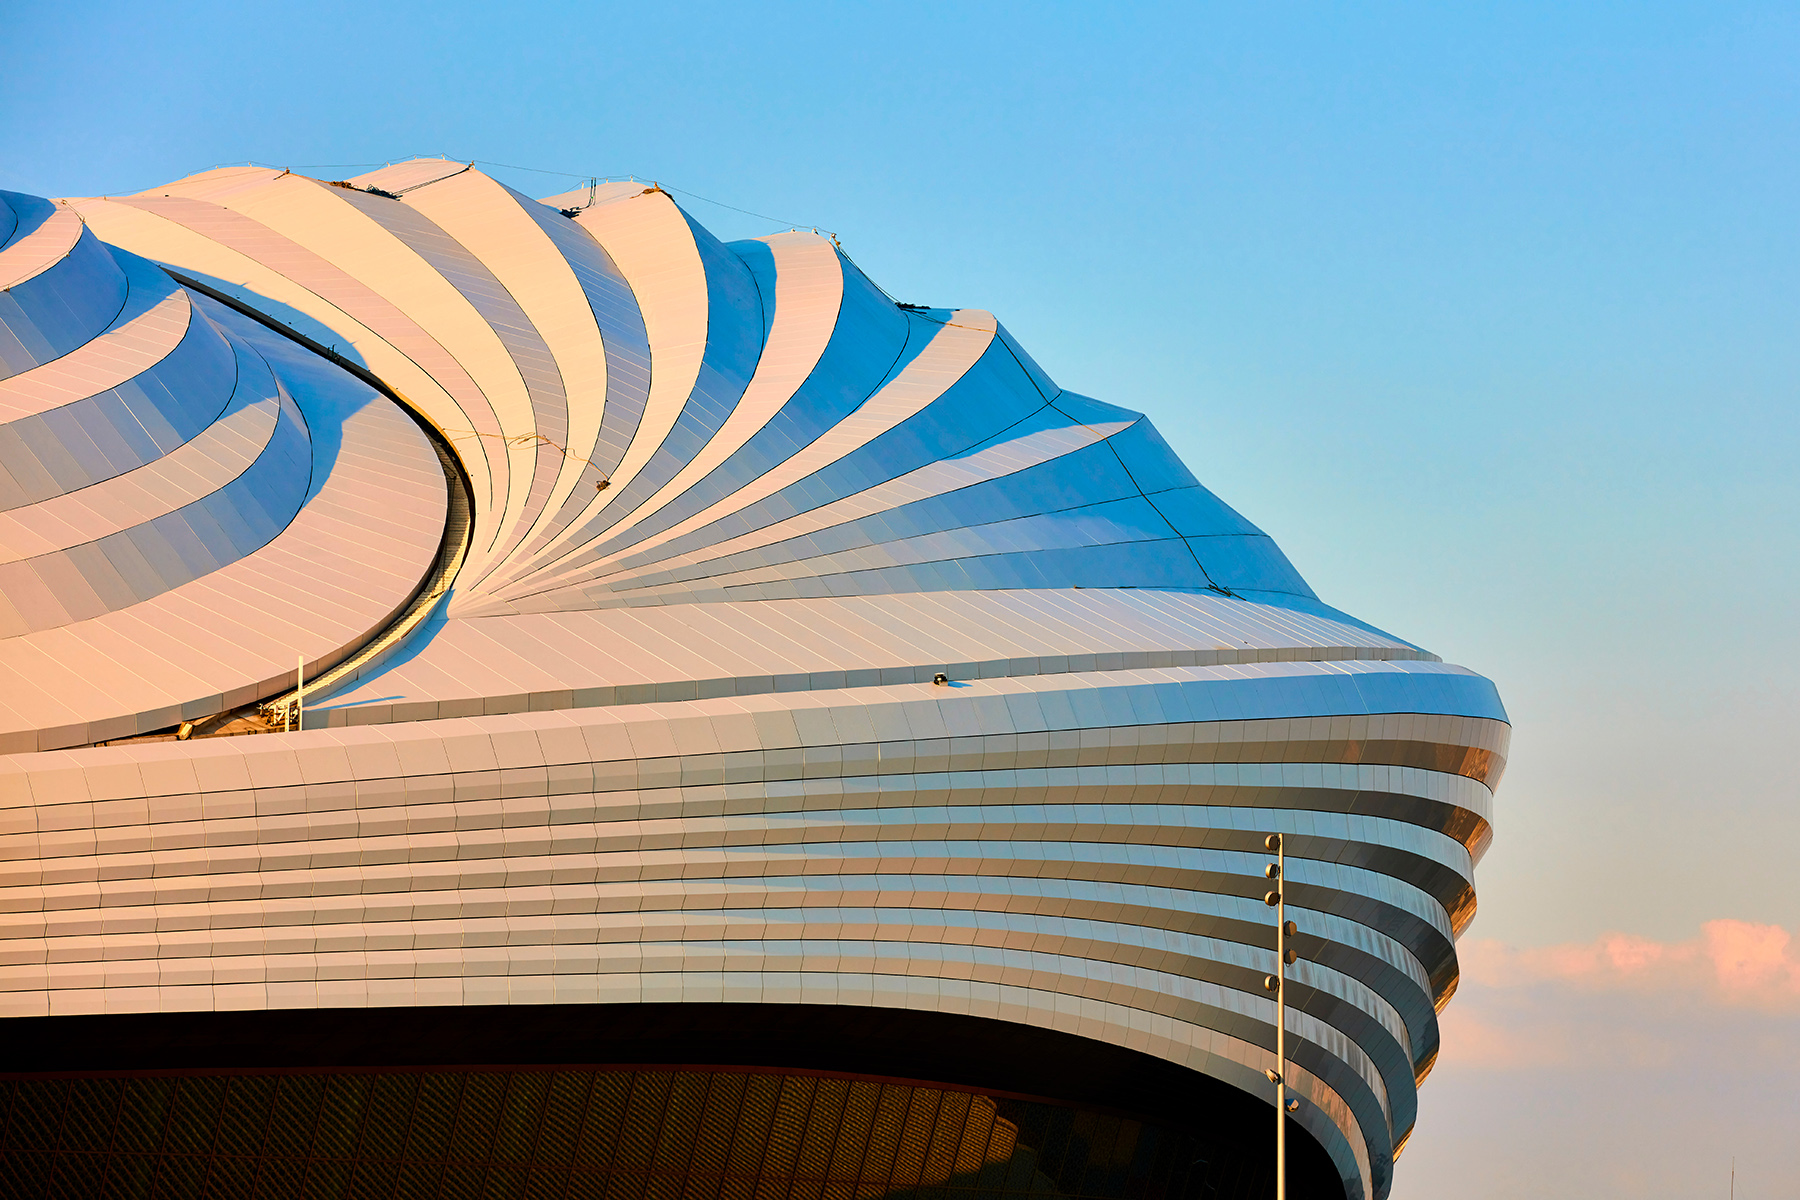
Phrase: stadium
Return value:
(517, 697)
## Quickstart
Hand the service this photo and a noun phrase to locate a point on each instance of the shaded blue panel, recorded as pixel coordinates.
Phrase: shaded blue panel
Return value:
(1161, 564)
(993, 395)
(1446, 690)
(228, 524)
(1085, 410)
(758, 258)
(622, 337)
(22, 214)
(734, 328)
(471, 278)
(118, 430)
(9, 218)
(1086, 476)
(1196, 512)
(1089, 475)
(734, 344)
(870, 341)
(1247, 563)
(1233, 552)
(1144, 453)
(1045, 385)
(60, 308)
(1351, 689)
(1107, 524)
(485, 294)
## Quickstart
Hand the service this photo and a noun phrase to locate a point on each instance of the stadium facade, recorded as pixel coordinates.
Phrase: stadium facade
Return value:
(521, 698)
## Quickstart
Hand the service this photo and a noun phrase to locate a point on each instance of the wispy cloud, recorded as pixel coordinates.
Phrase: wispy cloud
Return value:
(1735, 963)
(1620, 1000)
(1621, 1067)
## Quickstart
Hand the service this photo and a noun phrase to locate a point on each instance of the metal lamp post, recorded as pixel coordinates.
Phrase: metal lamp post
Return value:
(1277, 983)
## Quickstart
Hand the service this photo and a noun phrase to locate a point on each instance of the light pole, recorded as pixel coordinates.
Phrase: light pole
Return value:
(1277, 983)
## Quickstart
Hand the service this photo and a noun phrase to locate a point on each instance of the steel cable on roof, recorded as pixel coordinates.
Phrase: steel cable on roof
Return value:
(527, 439)
(918, 310)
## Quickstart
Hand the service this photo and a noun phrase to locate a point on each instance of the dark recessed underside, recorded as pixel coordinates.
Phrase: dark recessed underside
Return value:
(626, 1102)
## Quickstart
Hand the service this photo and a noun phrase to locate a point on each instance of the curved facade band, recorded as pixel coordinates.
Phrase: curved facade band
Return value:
(668, 756)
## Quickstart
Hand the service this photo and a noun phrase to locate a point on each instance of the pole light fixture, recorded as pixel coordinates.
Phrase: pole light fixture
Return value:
(1277, 983)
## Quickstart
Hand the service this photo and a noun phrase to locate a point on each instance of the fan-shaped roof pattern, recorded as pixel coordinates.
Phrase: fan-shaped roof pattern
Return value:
(648, 417)
(660, 630)
(179, 489)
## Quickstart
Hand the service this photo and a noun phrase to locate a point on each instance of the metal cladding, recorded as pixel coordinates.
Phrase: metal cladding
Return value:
(187, 501)
(670, 732)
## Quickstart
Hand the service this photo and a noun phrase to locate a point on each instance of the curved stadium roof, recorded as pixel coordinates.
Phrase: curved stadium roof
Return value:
(621, 561)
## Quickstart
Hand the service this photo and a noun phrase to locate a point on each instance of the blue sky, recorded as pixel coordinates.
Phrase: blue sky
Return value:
(1486, 312)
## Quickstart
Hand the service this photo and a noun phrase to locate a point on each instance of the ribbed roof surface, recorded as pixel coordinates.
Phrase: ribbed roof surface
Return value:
(180, 494)
(651, 418)
(669, 733)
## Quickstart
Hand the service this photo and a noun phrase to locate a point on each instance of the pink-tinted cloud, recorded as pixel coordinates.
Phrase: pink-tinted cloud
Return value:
(1622, 1067)
(1732, 963)
(1753, 960)
(1621, 1000)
